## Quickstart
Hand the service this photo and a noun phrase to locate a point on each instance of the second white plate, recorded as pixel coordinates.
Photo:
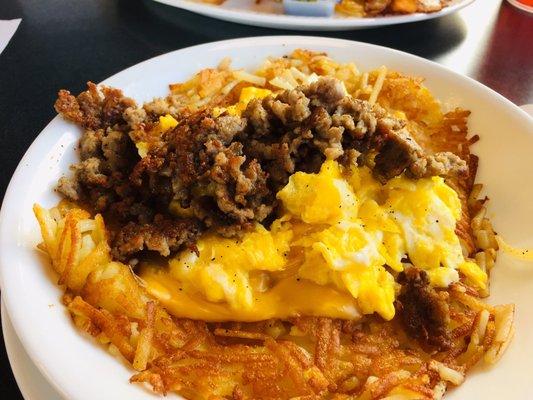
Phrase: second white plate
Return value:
(30, 381)
(268, 13)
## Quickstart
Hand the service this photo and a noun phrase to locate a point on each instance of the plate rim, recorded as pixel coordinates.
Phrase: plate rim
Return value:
(283, 21)
(18, 363)
(29, 340)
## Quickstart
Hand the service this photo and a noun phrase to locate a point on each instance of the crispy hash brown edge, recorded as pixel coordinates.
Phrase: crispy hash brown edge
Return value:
(302, 358)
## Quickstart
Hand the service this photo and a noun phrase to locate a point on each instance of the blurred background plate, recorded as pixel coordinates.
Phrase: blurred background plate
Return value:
(269, 13)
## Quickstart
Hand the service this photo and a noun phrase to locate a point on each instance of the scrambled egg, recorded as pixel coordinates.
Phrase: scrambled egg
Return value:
(222, 270)
(369, 226)
(334, 252)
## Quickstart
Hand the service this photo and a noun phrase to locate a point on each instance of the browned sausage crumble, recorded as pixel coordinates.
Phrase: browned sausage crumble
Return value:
(223, 172)
(423, 311)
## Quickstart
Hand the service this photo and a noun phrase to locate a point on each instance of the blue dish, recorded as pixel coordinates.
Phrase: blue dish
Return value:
(309, 8)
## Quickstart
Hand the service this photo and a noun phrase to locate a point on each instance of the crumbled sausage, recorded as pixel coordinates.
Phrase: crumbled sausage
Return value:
(223, 172)
(162, 235)
(95, 108)
(423, 311)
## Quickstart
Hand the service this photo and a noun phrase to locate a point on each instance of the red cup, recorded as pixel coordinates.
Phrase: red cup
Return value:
(526, 5)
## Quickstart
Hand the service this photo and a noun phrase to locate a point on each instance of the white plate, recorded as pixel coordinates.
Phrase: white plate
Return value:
(31, 382)
(269, 13)
(81, 370)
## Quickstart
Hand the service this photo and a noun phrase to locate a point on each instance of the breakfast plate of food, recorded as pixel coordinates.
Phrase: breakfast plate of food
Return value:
(327, 15)
(283, 217)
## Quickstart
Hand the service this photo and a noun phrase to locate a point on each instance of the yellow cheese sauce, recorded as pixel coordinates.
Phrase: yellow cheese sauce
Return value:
(287, 298)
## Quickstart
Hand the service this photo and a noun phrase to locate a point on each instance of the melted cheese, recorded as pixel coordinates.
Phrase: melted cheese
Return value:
(288, 298)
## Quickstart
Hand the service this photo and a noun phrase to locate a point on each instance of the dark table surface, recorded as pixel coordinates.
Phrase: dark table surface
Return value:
(62, 44)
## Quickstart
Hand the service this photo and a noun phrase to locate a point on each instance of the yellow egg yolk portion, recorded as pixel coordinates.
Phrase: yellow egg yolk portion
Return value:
(335, 251)
(247, 94)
